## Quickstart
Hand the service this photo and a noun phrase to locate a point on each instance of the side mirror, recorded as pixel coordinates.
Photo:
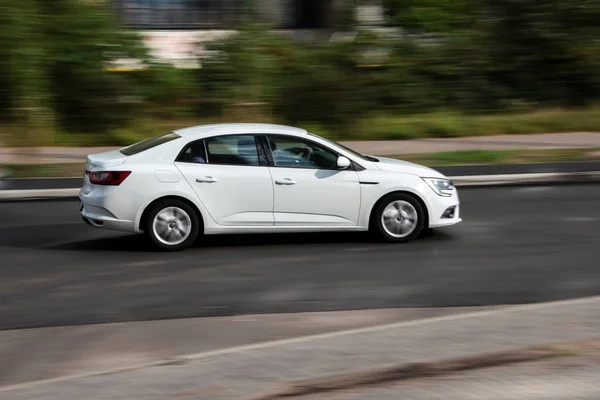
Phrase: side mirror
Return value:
(343, 162)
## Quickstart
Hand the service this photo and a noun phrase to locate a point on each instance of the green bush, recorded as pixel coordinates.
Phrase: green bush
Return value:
(447, 124)
(492, 64)
(55, 60)
(412, 127)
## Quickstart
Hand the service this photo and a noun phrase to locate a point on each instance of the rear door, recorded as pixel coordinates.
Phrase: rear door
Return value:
(230, 178)
(309, 188)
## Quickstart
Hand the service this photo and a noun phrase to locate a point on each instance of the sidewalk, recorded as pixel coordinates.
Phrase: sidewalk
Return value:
(94, 348)
(278, 369)
(60, 155)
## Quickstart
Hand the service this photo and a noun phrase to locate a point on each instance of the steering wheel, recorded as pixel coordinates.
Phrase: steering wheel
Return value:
(306, 153)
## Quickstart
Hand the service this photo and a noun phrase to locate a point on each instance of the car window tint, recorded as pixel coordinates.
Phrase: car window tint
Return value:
(232, 150)
(297, 153)
(194, 152)
(149, 143)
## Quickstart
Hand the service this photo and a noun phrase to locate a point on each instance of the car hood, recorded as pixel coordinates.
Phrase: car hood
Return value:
(393, 165)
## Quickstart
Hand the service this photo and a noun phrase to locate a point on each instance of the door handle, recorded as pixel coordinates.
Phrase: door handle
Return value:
(206, 179)
(285, 181)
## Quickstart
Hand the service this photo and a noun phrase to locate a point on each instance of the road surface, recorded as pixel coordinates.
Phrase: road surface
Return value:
(516, 245)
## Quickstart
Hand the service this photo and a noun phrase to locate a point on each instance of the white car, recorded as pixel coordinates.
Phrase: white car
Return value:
(249, 178)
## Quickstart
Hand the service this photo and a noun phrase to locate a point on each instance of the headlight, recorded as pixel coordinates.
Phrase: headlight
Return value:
(442, 187)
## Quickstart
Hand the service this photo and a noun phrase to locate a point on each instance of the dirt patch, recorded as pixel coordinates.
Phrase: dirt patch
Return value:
(431, 369)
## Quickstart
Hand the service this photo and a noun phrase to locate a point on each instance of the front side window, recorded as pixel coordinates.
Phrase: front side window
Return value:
(232, 150)
(297, 153)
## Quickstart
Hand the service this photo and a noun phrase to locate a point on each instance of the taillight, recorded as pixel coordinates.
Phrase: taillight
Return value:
(111, 178)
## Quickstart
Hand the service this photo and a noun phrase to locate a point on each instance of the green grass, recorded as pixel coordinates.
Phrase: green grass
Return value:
(142, 129)
(449, 124)
(377, 127)
(138, 130)
(471, 157)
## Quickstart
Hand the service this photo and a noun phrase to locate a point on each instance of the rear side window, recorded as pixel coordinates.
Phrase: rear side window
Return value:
(194, 152)
(232, 150)
(149, 143)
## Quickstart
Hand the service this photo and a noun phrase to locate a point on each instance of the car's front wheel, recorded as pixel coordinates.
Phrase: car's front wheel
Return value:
(397, 218)
(172, 225)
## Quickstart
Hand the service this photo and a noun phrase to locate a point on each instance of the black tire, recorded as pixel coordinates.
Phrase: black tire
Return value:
(171, 204)
(378, 229)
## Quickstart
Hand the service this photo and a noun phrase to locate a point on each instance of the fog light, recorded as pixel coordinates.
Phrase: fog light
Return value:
(98, 222)
(449, 213)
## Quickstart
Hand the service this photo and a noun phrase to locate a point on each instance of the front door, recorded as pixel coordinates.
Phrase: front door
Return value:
(227, 175)
(309, 188)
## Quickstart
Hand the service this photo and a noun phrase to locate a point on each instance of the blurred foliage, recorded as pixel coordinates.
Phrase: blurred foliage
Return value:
(55, 59)
(438, 68)
(313, 81)
(433, 16)
(490, 54)
(458, 124)
(468, 56)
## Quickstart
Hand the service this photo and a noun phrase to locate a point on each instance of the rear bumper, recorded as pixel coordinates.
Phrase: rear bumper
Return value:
(108, 223)
(95, 214)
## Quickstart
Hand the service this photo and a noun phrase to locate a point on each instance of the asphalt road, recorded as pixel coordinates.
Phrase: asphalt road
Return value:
(516, 245)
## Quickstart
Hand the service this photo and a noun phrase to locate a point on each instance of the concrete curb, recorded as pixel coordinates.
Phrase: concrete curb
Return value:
(459, 181)
(31, 194)
(521, 179)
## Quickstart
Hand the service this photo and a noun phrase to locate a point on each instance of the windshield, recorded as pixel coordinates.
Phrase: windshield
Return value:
(149, 143)
(349, 150)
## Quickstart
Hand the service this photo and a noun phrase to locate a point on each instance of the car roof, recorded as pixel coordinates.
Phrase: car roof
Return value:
(238, 128)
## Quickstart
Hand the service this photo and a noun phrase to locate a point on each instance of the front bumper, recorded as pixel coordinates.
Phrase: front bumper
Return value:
(447, 221)
(439, 205)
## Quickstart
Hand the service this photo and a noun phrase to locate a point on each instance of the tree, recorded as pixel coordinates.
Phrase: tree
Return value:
(55, 59)
(432, 16)
(490, 53)
(23, 76)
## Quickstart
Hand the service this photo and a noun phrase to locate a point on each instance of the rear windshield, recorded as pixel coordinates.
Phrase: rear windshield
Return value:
(149, 143)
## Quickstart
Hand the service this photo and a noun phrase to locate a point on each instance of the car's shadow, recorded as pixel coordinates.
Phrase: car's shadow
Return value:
(139, 243)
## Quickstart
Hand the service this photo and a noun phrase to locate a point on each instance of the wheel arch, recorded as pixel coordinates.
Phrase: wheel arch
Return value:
(143, 218)
(406, 192)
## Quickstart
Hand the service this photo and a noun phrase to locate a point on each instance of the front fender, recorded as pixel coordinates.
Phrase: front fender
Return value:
(390, 183)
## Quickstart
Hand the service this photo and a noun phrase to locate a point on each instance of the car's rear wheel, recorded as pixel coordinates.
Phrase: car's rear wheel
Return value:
(172, 225)
(398, 218)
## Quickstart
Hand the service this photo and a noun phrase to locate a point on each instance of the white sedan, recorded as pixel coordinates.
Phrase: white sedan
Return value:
(249, 178)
